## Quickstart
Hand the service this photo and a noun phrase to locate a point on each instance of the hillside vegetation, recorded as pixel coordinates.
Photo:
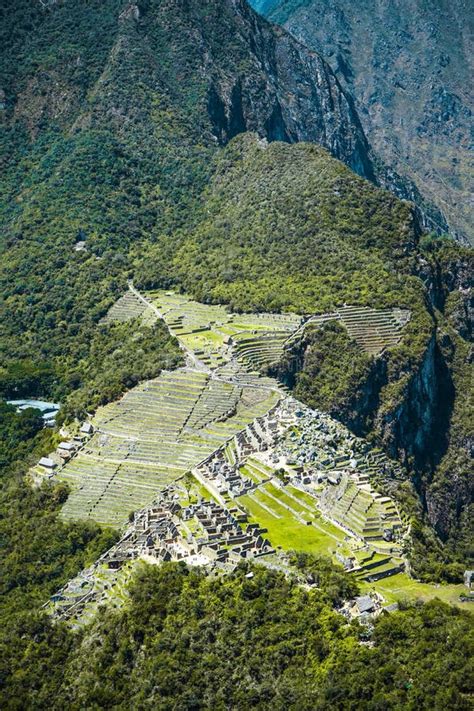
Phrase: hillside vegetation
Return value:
(188, 641)
(113, 130)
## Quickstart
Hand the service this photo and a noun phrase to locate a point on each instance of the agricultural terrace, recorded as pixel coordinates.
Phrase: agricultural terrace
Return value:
(296, 476)
(152, 436)
(128, 307)
(215, 335)
(165, 427)
(372, 329)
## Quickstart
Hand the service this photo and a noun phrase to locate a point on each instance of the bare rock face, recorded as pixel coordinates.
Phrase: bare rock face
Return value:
(408, 65)
(132, 11)
(291, 94)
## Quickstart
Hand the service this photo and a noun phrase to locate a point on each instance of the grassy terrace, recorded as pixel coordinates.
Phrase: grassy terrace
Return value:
(401, 586)
(107, 491)
(322, 538)
(126, 308)
(256, 471)
(372, 329)
(205, 329)
(285, 530)
(152, 436)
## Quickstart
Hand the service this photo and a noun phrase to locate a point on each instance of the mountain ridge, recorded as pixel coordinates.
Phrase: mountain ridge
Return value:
(407, 65)
(132, 169)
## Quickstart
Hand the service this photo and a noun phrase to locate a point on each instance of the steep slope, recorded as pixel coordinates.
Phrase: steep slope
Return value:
(288, 228)
(110, 114)
(220, 66)
(408, 64)
(187, 75)
(116, 164)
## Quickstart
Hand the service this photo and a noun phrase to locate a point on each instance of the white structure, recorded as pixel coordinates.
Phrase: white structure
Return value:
(47, 463)
(67, 447)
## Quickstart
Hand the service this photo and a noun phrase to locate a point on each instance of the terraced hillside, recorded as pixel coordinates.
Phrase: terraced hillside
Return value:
(128, 307)
(152, 436)
(215, 335)
(165, 427)
(373, 330)
(358, 508)
(260, 350)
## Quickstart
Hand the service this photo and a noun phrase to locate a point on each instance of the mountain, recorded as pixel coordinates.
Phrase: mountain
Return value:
(264, 81)
(191, 145)
(116, 127)
(249, 76)
(408, 65)
(288, 228)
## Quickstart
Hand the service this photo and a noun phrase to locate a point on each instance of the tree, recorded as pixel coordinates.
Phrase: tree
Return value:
(188, 483)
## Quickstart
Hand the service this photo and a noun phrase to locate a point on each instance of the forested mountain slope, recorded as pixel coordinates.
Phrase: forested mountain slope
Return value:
(408, 65)
(288, 228)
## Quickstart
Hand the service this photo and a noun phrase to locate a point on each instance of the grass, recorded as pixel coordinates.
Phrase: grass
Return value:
(195, 341)
(288, 533)
(401, 586)
(250, 473)
(285, 499)
(199, 489)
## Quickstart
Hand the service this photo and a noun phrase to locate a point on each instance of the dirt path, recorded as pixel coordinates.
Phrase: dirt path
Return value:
(191, 359)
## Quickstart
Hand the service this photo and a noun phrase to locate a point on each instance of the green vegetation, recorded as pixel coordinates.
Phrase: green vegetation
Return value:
(120, 356)
(187, 641)
(285, 531)
(106, 139)
(38, 554)
(354, 233)
(400, 587)
(20, 432)
(335, 373)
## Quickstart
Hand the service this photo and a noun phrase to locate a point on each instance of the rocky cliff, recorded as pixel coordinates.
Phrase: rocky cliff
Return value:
(408, 64)
(426, 427)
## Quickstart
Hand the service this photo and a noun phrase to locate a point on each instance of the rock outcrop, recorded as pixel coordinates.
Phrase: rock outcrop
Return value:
(287, 93)
(408, 66)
